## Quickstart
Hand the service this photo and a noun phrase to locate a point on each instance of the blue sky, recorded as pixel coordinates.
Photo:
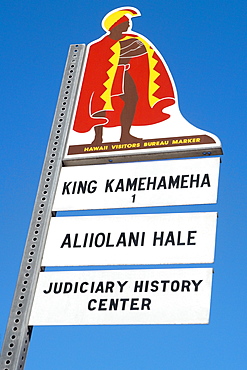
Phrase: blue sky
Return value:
(204, 45)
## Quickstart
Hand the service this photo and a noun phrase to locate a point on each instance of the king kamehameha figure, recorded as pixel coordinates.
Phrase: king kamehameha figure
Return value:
(127, 93)
(125, 81)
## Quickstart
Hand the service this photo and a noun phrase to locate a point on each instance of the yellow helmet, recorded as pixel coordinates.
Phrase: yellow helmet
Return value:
(118, 16)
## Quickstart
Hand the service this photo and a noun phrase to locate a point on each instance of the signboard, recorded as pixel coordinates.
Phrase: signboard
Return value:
(142, 184)
(120, 105)
(127, 102)
(120, 297)
(131, 239)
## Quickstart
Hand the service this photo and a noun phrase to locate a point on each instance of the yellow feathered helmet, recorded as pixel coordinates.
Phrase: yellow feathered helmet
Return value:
(118, 16)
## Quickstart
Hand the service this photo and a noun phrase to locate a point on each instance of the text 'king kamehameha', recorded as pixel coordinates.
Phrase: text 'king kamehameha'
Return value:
(138, 184)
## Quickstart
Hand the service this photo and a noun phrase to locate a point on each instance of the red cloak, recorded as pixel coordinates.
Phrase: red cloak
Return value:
(95, 75)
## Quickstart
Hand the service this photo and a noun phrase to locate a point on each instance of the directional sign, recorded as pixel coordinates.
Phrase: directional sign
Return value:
(131, 239)
(173, 296)
(143, 184)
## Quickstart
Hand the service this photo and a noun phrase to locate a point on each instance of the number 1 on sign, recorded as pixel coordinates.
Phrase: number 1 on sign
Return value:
(133, 198)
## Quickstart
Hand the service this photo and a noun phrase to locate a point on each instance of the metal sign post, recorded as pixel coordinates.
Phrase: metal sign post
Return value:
(18, 331)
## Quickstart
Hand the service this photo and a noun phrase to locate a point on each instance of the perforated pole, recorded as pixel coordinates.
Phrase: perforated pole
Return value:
(18, 333)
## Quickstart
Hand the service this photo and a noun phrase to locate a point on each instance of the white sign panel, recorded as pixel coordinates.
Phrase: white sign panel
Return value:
(131, 239)
(172, 296)
(143, 184)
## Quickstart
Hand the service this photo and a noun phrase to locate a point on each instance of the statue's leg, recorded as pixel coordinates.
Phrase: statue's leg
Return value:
(98, 135)
(98, 130)
(130, 98)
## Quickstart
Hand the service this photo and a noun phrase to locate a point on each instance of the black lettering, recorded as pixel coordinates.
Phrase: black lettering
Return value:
(113, 304)
(81, 287)
(131, 185)
(173, 182)
(108, 185)
(91, 240)
(142, 240)
(66, 241)
(156, 238)
(175, 286)
(141, 183)
(146, 302)
(179, 239)
(66, 187)
(205, 180)
(92, 287)
(109, 286)
(170, 238)
(164, 282)
(121, 240)
(67, 287)
(185, 285)
(138, 286)
(90, 304)
(74, 187)
(91, 189)
(75, 242)
(133, 239)
(155, 286)
(56, 289)
(151, 183)
(184, 181)
(121, 285)
(133, 304)
(102, 303)
(49, 290)
(146, 286)
(196, 180)
(162, 183)
(196, 284)
(120, 185)
(85, 240)
(100, 287)
(76, 287)
(108, 240)
(97, 243)
(190, 237)
(81, 187)
(124, 300)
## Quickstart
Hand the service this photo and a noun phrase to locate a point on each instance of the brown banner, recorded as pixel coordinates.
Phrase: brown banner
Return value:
(142, 144)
